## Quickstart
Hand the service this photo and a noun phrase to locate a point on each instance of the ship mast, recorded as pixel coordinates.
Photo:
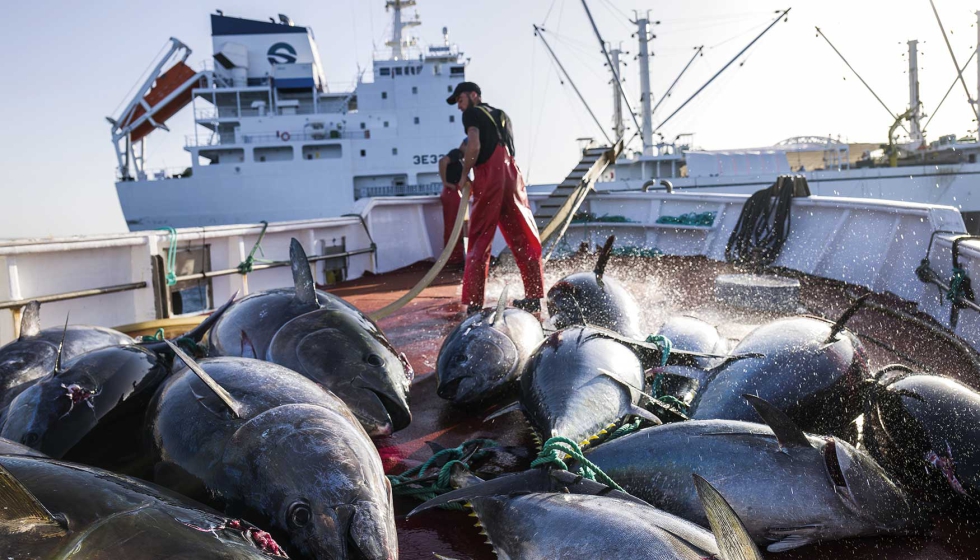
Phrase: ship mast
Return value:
(618, 126)
(915, 112)
(645, 95)
(397, 41)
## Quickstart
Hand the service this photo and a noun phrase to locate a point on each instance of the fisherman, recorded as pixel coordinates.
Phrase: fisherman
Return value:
(451, 173)
(499, 199)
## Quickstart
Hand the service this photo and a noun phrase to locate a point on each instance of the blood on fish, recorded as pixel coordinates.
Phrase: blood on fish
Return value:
(947, 467)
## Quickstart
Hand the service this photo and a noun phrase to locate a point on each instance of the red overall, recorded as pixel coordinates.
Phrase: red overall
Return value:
(499, 198)
(450, 207)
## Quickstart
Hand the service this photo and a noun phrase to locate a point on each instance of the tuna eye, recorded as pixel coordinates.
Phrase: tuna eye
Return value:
(375, 360)
(29, 439)
(299, 515)
(459, 358)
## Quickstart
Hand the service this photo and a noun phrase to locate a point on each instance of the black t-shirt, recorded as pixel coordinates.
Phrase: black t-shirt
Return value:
(489, 137)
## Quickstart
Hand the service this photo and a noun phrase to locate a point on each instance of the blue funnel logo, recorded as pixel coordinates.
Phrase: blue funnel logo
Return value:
(282, 53)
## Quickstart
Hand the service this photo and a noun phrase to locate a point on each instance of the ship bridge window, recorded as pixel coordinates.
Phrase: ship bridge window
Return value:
(415, 89)
(386, 124)
(452, 118)
(385, 71)
(222, 156)
(398, 70)
(363, 125)
(322, 151)
(456, 71)
(384, 95)
(273, 153)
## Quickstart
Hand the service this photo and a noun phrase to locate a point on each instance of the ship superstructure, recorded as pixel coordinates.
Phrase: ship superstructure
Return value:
(272, 142)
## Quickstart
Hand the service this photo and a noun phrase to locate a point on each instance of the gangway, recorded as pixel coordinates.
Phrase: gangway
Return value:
(160, 97)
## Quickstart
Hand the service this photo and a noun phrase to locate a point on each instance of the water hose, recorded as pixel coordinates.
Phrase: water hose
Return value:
(447, 251)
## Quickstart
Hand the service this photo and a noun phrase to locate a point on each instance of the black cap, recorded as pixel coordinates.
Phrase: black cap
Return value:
(463, 87)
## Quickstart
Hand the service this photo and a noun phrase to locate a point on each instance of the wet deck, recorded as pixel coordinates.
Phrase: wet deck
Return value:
(664, 287)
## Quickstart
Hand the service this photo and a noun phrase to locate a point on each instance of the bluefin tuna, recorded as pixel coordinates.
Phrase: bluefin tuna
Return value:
(255, 437)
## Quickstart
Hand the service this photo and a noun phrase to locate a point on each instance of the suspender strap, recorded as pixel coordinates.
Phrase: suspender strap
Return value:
(500, 132)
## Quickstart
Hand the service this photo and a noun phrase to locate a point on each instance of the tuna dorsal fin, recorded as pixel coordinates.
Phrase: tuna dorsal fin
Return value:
(30, 320)
(302, 275)
(501, 305)
(236, 408)
(788, 434)
(20, 510)
(604, 254)
(61, 346)
(734, 542)
(845, 317)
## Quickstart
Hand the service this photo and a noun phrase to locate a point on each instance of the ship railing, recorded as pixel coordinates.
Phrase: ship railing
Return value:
(304, 136)
(422, 189)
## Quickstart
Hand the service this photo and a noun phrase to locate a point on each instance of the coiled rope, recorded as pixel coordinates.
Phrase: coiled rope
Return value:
(551, 455)
(171, 266)
(414, 482)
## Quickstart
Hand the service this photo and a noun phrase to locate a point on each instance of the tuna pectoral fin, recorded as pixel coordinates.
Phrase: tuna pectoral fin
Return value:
(788, 434)
(645, 414)
(30, 320)
(20, 510)
(734, 542)
(512, 407)
(302, 275)
(789, 543)
(236, 407)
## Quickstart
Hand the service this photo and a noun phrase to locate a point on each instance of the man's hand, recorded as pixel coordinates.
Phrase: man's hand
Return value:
(465, 183)
(450, 186)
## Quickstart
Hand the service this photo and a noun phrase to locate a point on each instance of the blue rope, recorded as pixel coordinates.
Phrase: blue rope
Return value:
(407, 483)
(550, 456)
(957, 285)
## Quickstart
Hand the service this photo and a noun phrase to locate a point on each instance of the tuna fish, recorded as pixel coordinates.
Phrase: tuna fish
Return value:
(485, 355)
(579, 382)
(789, 488)
(926, 430)
(546, 515)
(258, 438)
(325, 339)
(91, 409)
(8, 447)
(50, 509)
(692, 334)
(811, 369)
(32, 356)
(593, 299)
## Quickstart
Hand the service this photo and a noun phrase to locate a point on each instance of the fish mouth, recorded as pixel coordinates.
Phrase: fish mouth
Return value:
(396, 414)
(450, 389)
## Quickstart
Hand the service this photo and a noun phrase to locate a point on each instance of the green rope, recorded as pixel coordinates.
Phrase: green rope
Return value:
(957, 285)
(551, 456)
(156, 337)
(245, 266)
(656, 385)
(171, 256)
(407, 483)
(195, 349)
(625, 429)
(637, 252)
(689, 219)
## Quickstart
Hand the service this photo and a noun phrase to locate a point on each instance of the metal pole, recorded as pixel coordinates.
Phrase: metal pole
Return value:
(978, 71)
(619, 82)
(618, 127)
(959, 72)
(645, 93)
(914, 105)
(538, 32)
(263, 266)
(677, 79)
(18, 303)
(759, 36)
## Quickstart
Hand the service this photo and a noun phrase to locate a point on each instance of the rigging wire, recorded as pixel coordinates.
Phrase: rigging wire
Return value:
(740, 53)
(948, 91)
(146, 72)
(959, 73)
(698, 51)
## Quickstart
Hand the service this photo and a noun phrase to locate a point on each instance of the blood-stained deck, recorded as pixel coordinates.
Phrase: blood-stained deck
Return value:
(664, 287)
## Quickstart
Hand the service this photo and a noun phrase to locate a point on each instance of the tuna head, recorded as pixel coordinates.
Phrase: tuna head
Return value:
(355, 362)
(476, 361)
(866, 489)
(21, 363)
(316, 480)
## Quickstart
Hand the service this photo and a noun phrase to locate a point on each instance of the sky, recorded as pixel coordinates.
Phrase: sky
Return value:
(71, 64)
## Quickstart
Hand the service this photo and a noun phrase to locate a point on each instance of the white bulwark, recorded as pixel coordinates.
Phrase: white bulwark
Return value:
(273, 143)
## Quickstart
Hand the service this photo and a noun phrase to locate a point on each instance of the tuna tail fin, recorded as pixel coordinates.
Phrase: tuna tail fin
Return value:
(734, 542)
(501, 305)
(302, 275)
(604, 254)
(20, 510)
(845, 317)
(61, 346)
(534, 480)
(236, 408)
(30, 320)
(788, 434)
